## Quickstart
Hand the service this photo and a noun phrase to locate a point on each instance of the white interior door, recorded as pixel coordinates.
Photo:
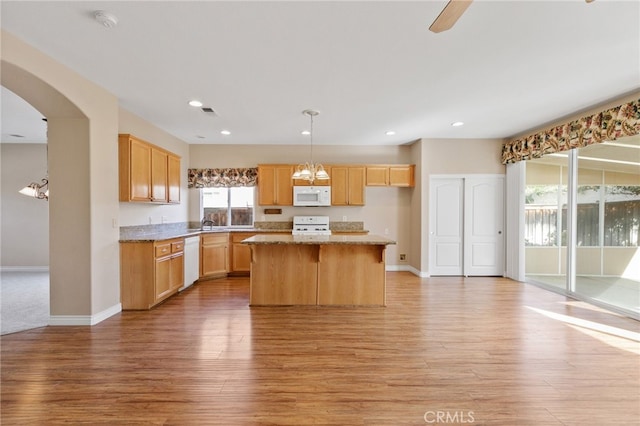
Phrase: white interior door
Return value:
(445, 225)
(466, 219)
(484, 222)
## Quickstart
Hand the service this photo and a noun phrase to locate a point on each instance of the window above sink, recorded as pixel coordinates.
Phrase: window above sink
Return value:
(228, 207)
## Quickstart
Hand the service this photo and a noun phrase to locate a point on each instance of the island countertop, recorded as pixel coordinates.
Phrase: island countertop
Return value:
(319, 240)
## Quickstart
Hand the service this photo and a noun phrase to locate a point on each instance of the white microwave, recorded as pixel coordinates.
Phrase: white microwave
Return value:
(312, 196)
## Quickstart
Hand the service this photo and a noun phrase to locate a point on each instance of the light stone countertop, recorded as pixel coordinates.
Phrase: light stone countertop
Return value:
(319, 239)
(167, 234)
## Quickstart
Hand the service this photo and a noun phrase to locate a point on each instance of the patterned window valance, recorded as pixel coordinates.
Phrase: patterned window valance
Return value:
(209, 178)
(608, 125)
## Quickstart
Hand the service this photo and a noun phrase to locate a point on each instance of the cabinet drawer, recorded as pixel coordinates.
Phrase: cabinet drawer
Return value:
(162, 249)
(177, 247)
(208, 239)
(238, 237)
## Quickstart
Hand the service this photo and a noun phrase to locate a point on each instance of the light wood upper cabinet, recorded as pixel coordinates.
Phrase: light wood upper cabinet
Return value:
(347, 185)
(159, 169)
(390, 175)
(147, 173)
(377, 175)
(135, 169)
(173, 179)
(275, 186)
(402, 175)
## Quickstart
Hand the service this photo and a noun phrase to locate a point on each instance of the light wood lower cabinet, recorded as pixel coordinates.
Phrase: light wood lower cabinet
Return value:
(214, 255)
(240, 254)
(150, 272)
(286, 273)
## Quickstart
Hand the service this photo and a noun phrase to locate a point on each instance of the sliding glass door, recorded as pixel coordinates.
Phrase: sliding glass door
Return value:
(607, 210)
(546, 222)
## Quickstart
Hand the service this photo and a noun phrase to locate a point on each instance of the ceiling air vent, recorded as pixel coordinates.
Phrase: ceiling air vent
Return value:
(208, 110)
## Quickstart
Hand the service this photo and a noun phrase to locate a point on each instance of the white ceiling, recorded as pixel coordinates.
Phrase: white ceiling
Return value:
(506, 67)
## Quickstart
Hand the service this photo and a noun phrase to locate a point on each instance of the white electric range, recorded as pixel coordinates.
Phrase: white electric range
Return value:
(311, 225)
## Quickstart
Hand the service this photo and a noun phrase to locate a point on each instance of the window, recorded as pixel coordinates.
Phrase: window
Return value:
(229, 206)
(588, 215)
(542, 221)
(621, 215)
(603, 263)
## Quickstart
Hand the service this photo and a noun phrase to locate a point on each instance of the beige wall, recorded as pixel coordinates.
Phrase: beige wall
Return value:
(387, 211)
(203, 156)
(418, 221)
(145, 213)
(399, 213)
(455, 157)
(25, 220)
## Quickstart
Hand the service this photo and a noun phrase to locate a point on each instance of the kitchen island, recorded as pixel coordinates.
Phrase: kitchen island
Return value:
(317, 270)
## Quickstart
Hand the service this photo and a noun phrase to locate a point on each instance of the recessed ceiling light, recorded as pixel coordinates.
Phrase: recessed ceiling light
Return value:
(195, 103)
(457, 124)
(390, 133)
(305, 132)
(225, 132)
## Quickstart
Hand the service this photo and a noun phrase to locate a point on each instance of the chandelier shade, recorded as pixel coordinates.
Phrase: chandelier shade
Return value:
(37, 190)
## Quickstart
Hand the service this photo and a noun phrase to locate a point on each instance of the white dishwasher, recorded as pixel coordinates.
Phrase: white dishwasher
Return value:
(191, 261)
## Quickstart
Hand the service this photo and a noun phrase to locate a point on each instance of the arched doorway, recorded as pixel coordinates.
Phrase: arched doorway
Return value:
(83, 207)
(24, 280)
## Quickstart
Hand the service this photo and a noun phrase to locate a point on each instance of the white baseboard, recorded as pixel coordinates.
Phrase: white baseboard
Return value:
(407, 268)
(24, 268)
(69, 320)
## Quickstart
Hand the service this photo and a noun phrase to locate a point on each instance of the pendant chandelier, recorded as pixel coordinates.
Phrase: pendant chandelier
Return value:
(40, 190)
(37, 190)
(310, 171)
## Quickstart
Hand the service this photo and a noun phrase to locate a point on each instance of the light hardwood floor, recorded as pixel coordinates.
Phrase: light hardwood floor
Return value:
(471, 350)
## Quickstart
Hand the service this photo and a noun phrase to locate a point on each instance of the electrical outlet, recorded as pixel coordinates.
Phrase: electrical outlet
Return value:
(163, 219)
(403, 257)
(344, 218)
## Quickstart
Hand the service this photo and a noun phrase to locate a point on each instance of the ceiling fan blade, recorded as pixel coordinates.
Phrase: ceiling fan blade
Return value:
(449, 15)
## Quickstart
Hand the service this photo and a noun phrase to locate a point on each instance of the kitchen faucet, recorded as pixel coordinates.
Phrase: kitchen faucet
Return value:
(206, 222)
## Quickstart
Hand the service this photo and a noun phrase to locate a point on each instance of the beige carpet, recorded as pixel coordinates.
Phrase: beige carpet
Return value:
(24, 301)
